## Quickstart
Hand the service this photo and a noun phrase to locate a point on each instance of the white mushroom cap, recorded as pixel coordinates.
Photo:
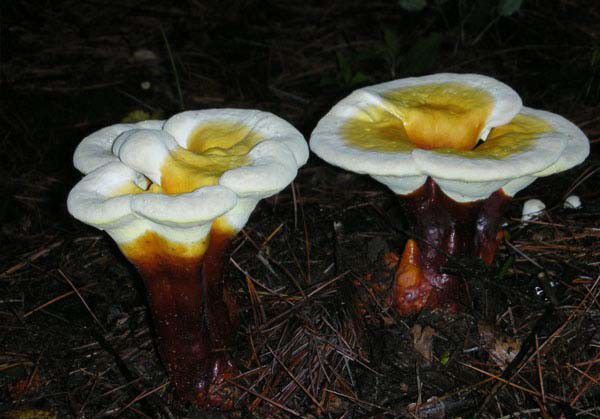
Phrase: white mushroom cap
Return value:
(572, 202)
(532, 208)
(520, 145)
(95, 150)
(124, 160)
(95, 200)
(144, 150)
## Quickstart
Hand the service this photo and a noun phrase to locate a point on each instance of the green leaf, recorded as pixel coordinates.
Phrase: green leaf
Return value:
(422, 55)
(595, 60)
(505, 267)
(359, 78)
(445, 358)
(327, 81)
(413, 5)
(480, 14)
(509, 7)
(345, 68)
(136, 116)
(140, 115)
(392, 43)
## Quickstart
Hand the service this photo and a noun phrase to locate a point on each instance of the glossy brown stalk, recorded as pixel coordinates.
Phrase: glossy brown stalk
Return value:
(443, 228)
(192, 314)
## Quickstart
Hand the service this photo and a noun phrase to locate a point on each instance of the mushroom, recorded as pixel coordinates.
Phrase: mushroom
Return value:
(454, 148)
(172, 194)
(532, 208)
(572, 202)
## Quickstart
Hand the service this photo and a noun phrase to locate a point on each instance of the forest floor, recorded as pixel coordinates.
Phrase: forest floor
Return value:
(75, 336)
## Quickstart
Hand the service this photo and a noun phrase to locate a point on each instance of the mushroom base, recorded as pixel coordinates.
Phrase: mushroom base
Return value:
(443, 229)
(194, 318)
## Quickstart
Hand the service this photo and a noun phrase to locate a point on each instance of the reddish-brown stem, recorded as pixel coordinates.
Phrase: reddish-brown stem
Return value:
(193, 320)
(443, 228)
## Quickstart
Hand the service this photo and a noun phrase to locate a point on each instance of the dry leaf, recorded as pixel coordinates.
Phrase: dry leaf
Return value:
(30, 414)
(501, 347)
(422, 338)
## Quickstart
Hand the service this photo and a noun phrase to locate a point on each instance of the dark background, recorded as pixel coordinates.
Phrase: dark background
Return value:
(68, 68)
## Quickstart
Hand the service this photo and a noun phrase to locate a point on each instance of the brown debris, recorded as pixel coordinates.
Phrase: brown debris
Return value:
(422, 339)
(501, 348)
(30, 414)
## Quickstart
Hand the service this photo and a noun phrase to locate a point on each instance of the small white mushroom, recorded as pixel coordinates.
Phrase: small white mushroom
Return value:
(532, 208)
(144, 54)
(572, 202)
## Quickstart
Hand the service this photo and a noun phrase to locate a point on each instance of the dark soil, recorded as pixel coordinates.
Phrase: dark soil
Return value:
(315, 340)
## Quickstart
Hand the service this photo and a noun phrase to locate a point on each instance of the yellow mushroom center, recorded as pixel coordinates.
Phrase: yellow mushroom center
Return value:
(212, 149)
(506, 140)
(433, 116)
